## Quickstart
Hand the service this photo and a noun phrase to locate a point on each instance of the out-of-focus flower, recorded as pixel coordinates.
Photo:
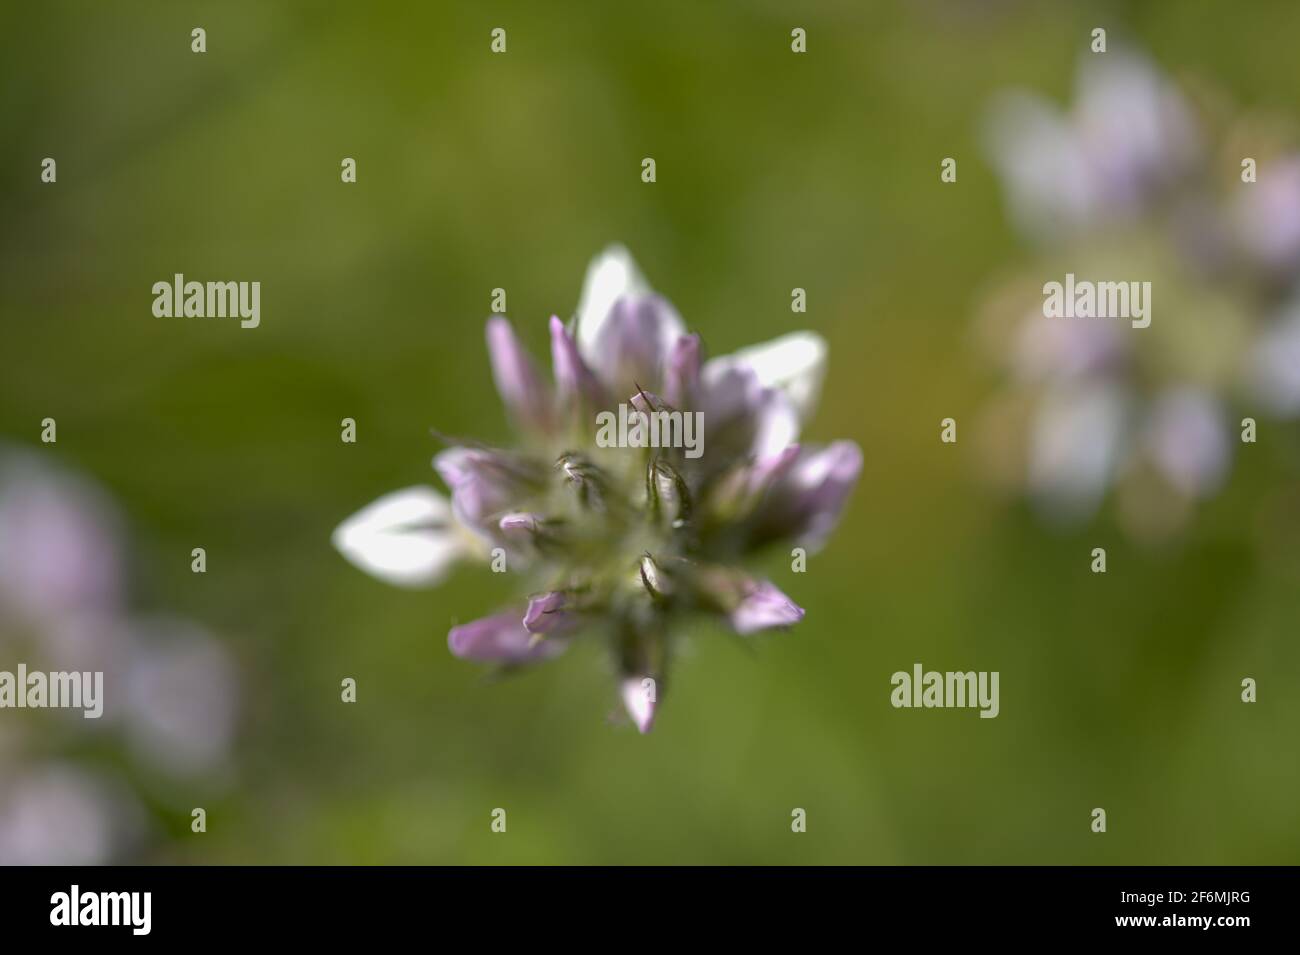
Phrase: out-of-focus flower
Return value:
(60, 551)
(626, 542)
(182, 697)
(1274, 364)
(61, 815)
(1125, 185)
(170, 690)
(1267, 216)
(1128, 138)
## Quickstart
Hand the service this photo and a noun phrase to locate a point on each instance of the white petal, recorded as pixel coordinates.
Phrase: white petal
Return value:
(639, 699)
(778, 426)
(1077, 444)
(1274, 368)
(408, 538)
(610, 276)
(794, 363)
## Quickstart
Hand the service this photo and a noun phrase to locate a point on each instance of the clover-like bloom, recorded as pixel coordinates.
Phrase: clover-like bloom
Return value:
(623, 542)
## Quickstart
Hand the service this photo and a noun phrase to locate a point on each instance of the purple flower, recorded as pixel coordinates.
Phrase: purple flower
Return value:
(625, 537)
(501, 638)
(634, 343)
(763, 606)
(546, 614)
(484, 484)
(60, 550)
(805, 502)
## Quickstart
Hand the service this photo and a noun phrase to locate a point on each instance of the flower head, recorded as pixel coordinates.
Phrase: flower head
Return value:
(1127, 182)
(623, 534)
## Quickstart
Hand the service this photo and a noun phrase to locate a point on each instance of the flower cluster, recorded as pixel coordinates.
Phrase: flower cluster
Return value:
(623, 543)
(1140, 179)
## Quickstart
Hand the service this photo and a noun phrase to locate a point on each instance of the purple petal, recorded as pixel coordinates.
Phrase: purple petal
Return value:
(647, 402)
(546, 613)
(806, 502)
(573, 379)
(521, 521)
(633, 345)
(484, 485)
(762, 607)
(727, 392)
(500, 638)
(763, 472)
(682, 376)
(745, 419)
(526, 395)
(741, 489)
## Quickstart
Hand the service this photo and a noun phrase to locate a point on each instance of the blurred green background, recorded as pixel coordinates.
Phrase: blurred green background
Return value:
(479, 171)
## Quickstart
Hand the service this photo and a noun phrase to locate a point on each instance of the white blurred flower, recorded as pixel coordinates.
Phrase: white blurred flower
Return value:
(1123, 185)
(1075, 447)
(181, 699)
(60, 547)
(1187, 437)
(171, 691)
(1267, 215)
(61, 815)
(1128, 135)
(1273, 365)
